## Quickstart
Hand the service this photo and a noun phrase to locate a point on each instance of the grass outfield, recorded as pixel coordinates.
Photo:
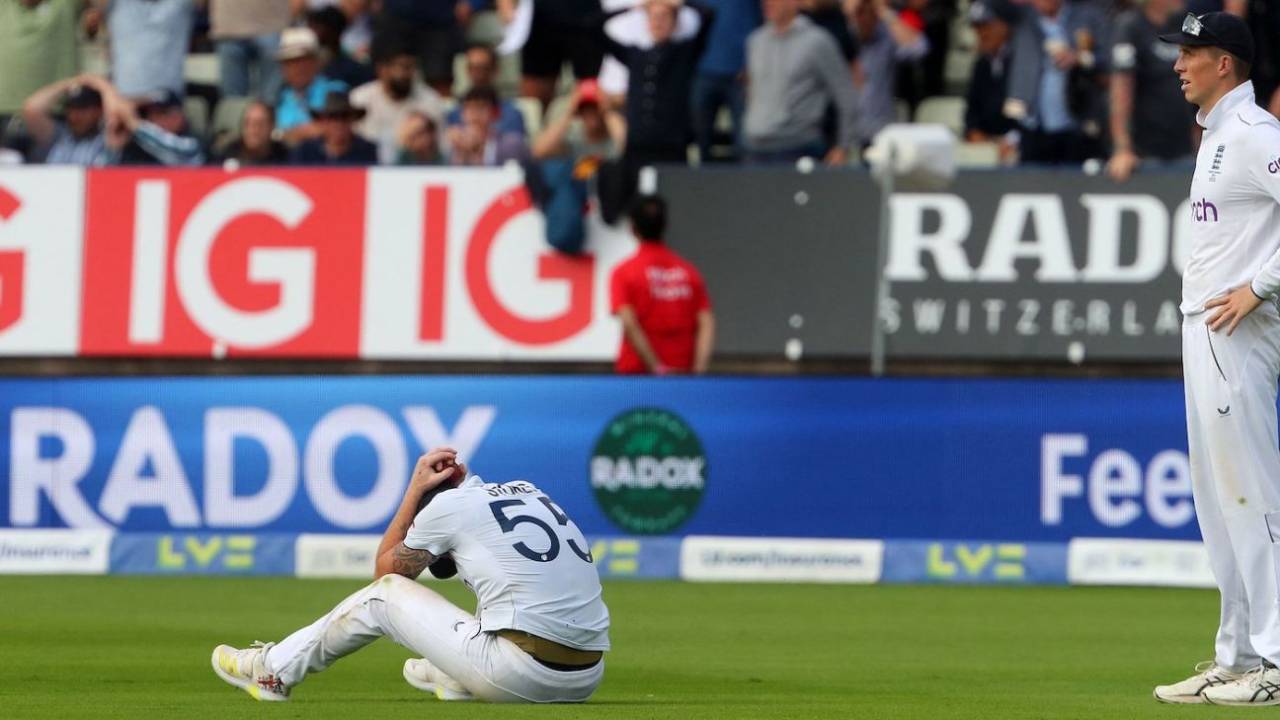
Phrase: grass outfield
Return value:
(120, 647)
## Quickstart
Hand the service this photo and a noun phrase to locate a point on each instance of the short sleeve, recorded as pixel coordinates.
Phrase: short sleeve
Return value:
(1124, 49)
(619, 289)
(436, 526)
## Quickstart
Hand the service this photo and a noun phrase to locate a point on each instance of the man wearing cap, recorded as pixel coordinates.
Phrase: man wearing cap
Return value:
(158, 132)
(984, 118)
(338, 143)
(1231, 358)
(304, 87)
(585, 131)
(1149, 118)
(78, 138)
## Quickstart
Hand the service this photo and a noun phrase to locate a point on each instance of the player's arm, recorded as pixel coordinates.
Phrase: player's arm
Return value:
(394, 556)
(635, 335)
(706, 340)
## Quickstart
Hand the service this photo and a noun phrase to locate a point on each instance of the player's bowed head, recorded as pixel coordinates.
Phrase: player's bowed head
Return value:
(436, 471)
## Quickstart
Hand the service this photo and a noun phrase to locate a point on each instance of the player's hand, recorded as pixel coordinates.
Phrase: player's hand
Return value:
(1233, 307)
(433, 469)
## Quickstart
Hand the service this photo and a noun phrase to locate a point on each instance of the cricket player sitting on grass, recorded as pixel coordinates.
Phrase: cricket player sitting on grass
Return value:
(1231, 359)
(539, 633)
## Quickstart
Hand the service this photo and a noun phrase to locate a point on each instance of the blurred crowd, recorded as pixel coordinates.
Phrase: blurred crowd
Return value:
(614, 84)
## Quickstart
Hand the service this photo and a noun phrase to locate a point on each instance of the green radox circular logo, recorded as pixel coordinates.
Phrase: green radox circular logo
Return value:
(648, 471)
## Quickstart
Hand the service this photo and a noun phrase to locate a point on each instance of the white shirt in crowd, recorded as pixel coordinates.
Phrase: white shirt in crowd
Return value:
(385, 114)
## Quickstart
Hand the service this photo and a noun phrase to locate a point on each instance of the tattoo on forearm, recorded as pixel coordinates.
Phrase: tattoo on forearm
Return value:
(409, 562)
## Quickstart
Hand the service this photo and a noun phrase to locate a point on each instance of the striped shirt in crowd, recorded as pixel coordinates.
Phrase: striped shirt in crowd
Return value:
(66, 149)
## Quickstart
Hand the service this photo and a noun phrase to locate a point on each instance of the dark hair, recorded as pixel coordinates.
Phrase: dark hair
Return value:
(481, 94)
(487, 48)
(649, 217)
(387, 46)
(329, 17)
(1243, 69)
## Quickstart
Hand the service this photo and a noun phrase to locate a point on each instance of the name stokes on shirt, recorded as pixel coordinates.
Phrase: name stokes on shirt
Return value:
(518, 487)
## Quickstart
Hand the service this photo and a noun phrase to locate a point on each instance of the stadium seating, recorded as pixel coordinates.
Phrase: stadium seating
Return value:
(948, 111)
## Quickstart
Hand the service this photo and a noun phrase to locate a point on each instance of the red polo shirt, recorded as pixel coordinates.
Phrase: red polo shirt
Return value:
(666, 293)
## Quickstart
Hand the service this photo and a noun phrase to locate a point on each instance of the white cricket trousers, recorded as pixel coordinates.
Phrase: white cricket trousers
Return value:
(1235, 475)
(489, 667)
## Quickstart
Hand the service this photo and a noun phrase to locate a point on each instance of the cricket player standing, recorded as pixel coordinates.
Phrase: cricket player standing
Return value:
(541, 628)
(1231, 359)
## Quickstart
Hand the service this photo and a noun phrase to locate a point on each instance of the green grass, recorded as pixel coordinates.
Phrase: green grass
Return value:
(120, 647)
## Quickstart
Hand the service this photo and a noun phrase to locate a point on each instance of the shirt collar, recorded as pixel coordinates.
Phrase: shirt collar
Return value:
(1241, 94)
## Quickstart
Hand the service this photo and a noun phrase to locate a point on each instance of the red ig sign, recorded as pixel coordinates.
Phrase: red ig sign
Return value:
(577, 272)
(203, 263)
(200, 263)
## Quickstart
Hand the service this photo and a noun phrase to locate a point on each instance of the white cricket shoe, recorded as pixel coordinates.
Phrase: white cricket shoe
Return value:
(247, 670)
(421, 674)
(1192, 690)
(1260, 686)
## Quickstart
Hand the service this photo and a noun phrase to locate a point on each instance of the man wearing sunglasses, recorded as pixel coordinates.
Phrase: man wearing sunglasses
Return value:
(1231, 358)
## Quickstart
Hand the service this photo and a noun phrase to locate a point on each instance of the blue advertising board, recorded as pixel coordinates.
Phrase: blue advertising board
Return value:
(1003, 461)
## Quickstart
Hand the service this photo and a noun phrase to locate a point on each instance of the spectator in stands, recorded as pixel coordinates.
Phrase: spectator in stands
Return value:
(561, 32)
(657, 109)
(984, 118)
(305, 88)
(586, 131)
(830, 16)
(419, 141)
(927, 77)
(247, 37)
(435, 28)
(338, 143)
(78, 138)
(661, 300)
(477, 140)
(718, 84)
(328, 23)
(482, 71)
(885, 40)
(154, 130)
(389, 99)
(255, 145)
(357, 38)
(1150, 118)
(149, 40)
(1054, 93)
(794, 69)
(37, 48)
(627, 22)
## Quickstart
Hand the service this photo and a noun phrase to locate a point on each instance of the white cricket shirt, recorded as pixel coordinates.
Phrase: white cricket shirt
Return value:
(1235, 218)
(528, 564)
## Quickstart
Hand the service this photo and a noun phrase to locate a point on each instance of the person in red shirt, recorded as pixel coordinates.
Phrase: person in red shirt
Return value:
(661, 300)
